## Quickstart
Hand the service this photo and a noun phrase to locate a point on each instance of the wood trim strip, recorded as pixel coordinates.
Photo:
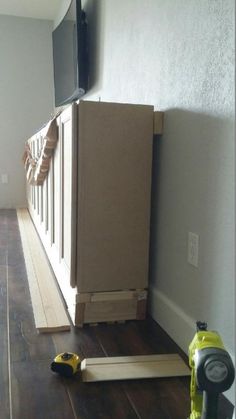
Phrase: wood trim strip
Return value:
(132, 358)
(49, 311)
(133, 367)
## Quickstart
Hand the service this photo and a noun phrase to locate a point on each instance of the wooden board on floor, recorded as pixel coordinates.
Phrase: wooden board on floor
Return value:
(133, 367)
(49, 311)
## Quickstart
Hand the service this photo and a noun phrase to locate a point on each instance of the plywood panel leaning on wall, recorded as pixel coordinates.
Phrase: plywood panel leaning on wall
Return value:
(93, 213)
(114, 192)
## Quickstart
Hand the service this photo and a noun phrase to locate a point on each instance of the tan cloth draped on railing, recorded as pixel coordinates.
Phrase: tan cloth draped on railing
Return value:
(37, 168)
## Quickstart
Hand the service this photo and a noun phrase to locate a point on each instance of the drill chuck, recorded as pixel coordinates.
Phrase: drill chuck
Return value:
(214, 370)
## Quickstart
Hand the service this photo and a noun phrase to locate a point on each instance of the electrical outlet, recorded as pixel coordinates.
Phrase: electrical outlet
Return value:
(193, 245)
(4, 178)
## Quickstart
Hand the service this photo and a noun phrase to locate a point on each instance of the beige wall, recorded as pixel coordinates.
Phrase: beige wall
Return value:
(179, 57)
(26, 96)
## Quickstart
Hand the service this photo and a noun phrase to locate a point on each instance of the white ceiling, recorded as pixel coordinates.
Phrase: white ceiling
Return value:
(39, 9)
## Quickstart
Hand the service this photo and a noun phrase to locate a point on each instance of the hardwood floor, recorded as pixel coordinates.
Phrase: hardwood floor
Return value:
(28, 388)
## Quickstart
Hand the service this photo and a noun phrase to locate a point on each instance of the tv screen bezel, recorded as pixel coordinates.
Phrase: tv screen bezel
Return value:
(81, 58)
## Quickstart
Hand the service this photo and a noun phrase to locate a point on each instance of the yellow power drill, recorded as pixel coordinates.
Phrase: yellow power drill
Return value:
(212, 372)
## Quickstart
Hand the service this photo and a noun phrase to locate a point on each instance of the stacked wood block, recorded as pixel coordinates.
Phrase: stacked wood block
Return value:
(110, 306)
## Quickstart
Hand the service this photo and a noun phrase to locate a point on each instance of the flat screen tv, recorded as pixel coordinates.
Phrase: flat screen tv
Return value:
(70, 58)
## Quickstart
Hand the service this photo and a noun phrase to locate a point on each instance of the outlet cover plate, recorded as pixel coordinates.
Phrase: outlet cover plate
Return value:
(4, 178)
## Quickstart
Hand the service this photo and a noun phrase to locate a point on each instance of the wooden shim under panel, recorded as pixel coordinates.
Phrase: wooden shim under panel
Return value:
(48, 308)
(111, 296)
(133, 367)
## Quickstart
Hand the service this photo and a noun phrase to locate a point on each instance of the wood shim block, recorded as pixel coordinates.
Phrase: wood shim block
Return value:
(133, 367)
(49, 311)
(158, 123)
(111, 296)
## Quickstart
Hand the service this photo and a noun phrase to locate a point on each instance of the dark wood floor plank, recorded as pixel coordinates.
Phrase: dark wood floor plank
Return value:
(26, 343)
(38, 393)
(154, 398)
(4, 376)
(93, 400)
(79, 340)
(100, 400)
(35, 390)
(3, 255)
(158, 399)
(4, 369)
(136, 338)
(30, 349)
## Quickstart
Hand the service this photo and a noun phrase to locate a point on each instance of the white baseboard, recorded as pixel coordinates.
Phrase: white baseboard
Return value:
(171, 318)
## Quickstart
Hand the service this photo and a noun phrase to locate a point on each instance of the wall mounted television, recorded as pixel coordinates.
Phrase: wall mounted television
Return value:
(70, 57)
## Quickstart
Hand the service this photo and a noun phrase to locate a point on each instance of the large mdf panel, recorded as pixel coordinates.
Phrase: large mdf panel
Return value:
(114, 188)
